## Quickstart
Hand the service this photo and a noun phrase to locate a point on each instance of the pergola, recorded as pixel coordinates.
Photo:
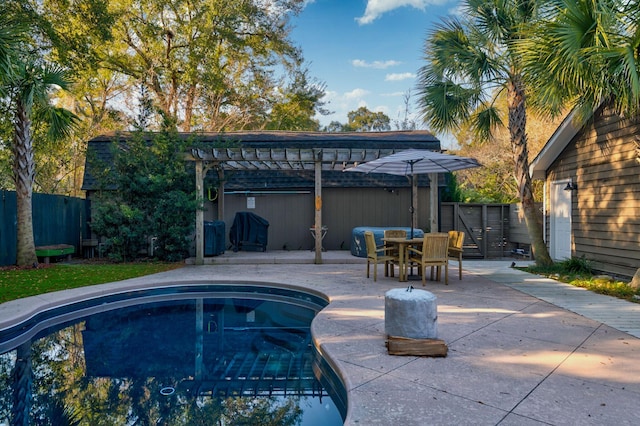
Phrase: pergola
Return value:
(297, 159)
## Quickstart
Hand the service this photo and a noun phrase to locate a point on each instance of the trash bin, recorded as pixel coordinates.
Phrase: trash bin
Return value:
(214, 238)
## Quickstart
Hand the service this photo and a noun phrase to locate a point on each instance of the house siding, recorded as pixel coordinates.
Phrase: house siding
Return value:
(291, 215)
(602, 159)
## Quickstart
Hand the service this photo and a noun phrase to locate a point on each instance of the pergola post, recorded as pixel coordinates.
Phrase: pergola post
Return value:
(318, 207)
(220, 193)
(199, 214)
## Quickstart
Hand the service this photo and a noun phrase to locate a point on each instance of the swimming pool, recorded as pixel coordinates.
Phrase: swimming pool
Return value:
(188, 354)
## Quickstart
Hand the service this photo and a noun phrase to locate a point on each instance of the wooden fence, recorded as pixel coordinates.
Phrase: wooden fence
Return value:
(491, 230)
(57, 219)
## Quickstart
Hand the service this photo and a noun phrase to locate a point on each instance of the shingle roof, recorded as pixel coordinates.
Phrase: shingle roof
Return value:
(99, 149)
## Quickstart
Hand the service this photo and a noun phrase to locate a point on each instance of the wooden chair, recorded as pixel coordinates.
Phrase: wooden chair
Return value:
(392, 250)
(456, 240)
(433, 253)
(376, 255)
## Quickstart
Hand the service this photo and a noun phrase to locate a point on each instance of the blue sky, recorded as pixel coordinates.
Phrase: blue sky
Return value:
(367, 52)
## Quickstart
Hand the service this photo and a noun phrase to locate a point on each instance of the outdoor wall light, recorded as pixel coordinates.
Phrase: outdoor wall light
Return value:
(570, 186)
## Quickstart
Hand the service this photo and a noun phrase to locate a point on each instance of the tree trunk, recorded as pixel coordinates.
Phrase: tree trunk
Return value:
(24, 173)
(518, 136)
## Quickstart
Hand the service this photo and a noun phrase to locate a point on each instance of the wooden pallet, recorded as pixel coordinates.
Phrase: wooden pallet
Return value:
(416, 347)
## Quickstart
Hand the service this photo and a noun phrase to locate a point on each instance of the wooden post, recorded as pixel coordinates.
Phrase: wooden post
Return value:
(318, 208)
(433, 204)
(199, 214)
(221, 193)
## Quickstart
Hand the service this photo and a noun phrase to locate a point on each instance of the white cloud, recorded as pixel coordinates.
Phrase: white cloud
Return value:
(393, 94)
(343, 103)
(356, 94)
(399, 76)
(458, 11)
(376, 8)
(361, 63)
(383, 109)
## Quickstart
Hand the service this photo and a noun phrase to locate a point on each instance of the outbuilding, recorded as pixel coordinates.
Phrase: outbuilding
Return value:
(294, 180)
(591, 173)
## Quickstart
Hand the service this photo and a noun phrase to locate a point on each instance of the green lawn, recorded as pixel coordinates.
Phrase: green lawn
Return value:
(18, 283)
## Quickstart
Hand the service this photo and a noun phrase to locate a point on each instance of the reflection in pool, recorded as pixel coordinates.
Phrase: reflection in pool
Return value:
(198, 355)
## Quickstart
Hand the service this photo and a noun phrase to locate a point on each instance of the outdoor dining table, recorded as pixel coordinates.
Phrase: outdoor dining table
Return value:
(403, 244)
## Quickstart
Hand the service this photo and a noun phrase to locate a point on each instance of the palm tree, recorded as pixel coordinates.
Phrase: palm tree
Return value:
(29, 87)
(27, 83)
(470, 62)
(584, 54)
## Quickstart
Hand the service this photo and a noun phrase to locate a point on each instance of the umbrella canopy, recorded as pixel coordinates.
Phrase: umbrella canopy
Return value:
(415, 161)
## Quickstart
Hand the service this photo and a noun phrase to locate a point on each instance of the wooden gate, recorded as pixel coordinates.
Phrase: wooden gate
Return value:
(486, 227)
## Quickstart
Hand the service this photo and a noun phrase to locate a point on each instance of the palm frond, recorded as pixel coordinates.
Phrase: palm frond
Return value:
(446, 104)
(11, 34)
(55, 75)
(485, 121)
(60, 121)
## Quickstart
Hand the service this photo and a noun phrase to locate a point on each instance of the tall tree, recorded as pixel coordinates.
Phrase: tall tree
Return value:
(62, 32)
(27, 83)
(365, 120)
(585, 53)
(469, 62)
(494, 183)
(208, 64)
(298, 105)
(29, 89)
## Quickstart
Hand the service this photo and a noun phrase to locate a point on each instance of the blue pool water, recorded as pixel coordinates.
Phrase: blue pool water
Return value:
(185, 355)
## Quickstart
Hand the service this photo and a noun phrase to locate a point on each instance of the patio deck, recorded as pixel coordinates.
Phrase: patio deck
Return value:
(523, 350)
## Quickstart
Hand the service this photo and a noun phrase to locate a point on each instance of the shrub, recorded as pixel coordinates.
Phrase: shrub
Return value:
(576, 265)
(154, 197)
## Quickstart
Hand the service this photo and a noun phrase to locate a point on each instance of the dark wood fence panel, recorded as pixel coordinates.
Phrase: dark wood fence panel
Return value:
(486, 228)
(57, 219)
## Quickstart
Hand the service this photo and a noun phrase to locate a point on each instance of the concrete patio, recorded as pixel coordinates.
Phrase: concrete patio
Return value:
(523, 350)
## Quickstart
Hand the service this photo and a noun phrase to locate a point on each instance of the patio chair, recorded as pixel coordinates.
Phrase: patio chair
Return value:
(392, 249)
(456, 240)
(376, 255)
(434, 254)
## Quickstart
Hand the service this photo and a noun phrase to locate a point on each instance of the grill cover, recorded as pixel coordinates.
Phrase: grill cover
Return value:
(249, 232)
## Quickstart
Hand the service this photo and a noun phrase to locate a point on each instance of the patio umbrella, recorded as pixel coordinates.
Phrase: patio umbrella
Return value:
(415, 161)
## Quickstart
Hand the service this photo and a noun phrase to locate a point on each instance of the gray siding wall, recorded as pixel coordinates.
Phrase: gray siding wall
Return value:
(291, 215)
(603, 159)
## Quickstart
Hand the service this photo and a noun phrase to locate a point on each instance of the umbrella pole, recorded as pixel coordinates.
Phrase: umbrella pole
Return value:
(411, 209)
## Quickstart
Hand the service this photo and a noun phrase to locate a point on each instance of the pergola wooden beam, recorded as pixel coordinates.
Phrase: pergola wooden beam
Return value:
(311, 159)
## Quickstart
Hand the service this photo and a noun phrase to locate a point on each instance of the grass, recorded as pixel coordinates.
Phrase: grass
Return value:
(18, 283)
(578, 272)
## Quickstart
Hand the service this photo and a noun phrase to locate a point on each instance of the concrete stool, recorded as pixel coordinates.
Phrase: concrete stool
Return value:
(410, 314)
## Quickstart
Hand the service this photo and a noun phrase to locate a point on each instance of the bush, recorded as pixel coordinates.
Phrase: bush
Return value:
(155, 197)
(576, 265)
